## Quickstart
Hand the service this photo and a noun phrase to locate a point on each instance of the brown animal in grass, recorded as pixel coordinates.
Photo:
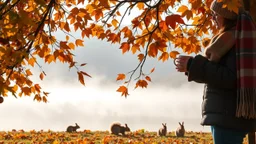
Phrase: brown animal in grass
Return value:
(117, 128)
(180, 132)
(73, 128)
(163, 131)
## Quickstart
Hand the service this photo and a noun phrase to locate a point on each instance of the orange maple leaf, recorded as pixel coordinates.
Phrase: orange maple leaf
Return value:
(123, 90)
(173, 54)
(148, 78)
(81, 78)
(41, 76)
(140, 57)
(120, 77)
(125, 47)
(141, 83)
(28, 72)
(140, 6)
(201, 10)
(172, 20)
(164, 57)
(79, 42)
(163, 26)
(153, 50)
(135, 48)
(114, 22)
(104, 3)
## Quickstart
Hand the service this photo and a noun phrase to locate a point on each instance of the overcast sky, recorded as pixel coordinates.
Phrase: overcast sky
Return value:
(168, 99)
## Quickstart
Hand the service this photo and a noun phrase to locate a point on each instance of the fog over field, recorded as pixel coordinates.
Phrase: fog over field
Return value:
(169, 98)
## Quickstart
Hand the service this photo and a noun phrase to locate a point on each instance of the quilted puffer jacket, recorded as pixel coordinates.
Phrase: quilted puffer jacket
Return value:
(219, 96)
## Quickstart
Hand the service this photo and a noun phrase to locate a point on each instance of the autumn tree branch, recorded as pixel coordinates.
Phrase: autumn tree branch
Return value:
(150, 33)
(5, 4)
(30, 43)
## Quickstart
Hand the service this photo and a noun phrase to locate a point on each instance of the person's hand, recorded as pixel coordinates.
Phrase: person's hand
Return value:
(181, 62)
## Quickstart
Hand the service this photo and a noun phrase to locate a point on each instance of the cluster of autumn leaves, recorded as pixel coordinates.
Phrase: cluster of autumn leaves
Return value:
(162, 29)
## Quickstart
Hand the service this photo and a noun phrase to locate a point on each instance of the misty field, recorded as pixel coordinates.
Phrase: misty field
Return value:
(101, 137)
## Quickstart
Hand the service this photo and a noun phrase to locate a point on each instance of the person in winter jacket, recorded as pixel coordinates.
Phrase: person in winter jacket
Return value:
(228, 71)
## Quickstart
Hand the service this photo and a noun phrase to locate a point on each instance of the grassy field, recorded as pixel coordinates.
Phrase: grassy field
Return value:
(101, 137)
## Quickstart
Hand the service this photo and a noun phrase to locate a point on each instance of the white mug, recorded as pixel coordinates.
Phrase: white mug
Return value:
(174, 61)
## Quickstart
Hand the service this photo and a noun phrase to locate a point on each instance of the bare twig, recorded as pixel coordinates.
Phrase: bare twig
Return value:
(150, 33)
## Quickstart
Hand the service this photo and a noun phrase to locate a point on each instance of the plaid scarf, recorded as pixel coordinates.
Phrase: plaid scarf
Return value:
(246, 66)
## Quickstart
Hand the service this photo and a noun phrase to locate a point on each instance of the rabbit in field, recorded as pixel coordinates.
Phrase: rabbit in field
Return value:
(163, 131)
(73, 128)
(117, 128)
(180, 132)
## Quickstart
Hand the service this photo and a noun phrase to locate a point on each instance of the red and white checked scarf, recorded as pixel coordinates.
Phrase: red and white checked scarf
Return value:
(246, 66)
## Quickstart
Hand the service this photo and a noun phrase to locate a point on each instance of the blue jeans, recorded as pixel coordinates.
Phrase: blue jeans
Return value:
(227, 136)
